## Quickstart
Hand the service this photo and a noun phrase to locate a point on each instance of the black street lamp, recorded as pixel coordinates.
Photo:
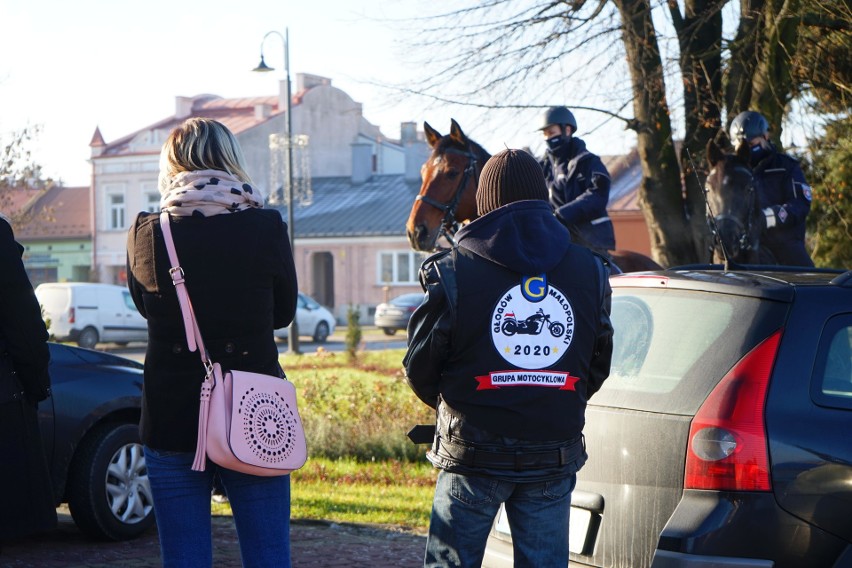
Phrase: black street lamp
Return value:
(293, 333)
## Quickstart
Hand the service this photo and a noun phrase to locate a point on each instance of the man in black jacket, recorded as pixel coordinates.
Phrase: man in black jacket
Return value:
(512, 340)
(784, 195)
(578, 182)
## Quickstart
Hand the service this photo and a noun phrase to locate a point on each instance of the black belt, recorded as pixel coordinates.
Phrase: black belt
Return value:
(518, 460)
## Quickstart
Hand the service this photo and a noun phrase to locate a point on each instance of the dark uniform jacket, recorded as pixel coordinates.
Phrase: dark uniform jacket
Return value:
(26, 496)
(512, 340)
(578, 183)
(781, 187)
(242, 284)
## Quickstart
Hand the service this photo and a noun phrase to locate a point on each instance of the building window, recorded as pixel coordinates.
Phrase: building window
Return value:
(115, 213)
(152, 202)
(399, 267)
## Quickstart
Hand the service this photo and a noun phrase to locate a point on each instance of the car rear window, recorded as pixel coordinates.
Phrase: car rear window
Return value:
(408, 299)
(671, 347)
(831, 384)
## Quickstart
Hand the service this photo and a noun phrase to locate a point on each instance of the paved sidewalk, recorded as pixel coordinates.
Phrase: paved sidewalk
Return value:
(315, 544)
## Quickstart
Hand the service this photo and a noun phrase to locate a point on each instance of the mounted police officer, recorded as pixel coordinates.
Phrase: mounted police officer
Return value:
(577, 181)
(513, 338)
(784, 196)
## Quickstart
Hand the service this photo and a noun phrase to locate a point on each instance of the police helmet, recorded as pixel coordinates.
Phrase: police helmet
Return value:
(748, 125)
(558, 115)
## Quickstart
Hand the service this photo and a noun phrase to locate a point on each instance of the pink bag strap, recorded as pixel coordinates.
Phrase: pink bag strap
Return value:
(193, 340)
(190, 324)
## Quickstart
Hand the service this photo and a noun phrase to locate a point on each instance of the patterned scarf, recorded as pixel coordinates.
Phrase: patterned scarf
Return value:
(204, 193)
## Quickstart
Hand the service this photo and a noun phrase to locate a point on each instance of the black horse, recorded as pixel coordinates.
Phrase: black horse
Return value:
(733, 211)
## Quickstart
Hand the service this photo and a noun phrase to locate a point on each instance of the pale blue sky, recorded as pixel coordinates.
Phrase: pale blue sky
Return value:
(70, 66)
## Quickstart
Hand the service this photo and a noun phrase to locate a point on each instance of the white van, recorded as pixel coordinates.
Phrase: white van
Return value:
(91, 313)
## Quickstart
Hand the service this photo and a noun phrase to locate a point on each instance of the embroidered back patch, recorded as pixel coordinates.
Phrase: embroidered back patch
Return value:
(532, 324)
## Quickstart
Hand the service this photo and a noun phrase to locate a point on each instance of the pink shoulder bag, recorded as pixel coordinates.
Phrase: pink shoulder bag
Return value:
(247, 422)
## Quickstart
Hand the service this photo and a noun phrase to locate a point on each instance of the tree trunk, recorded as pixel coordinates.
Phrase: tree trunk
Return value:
(772, 84)
(660, 194)
(760, 75)
(744, 56)
(699, 33)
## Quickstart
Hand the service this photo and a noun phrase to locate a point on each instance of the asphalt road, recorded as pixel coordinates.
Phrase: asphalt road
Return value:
(373, 340)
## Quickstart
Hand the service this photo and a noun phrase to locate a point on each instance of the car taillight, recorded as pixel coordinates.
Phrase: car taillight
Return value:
(727, 448)
(70, 315)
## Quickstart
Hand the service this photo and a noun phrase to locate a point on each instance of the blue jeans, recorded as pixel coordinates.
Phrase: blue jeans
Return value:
(464, 509)
(261, 507)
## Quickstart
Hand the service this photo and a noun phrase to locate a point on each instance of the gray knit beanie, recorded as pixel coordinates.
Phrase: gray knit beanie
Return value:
(511, 175)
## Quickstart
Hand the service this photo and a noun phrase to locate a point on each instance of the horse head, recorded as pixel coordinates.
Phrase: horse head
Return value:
(448, 194)
(732, 208)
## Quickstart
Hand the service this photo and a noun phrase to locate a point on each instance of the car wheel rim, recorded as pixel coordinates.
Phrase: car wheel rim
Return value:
(127, 488)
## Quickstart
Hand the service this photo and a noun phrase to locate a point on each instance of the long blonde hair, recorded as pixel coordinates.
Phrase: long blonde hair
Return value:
(201, 144)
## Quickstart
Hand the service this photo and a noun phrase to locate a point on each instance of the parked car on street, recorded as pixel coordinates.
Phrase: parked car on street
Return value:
(91, 437)
(313, 320)
(722, 436)
(89, 314)
(394, 315)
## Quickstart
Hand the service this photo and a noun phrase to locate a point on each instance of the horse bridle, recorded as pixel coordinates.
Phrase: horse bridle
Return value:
(449, 225)
(744, 230)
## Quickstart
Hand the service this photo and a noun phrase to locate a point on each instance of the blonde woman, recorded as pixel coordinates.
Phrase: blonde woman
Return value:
(240, 276)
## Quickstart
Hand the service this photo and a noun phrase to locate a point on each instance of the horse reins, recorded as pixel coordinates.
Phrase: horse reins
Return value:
(712, 218)
(449, 225)
(744, 230)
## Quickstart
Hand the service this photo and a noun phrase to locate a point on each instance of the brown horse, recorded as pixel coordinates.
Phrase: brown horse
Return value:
(447, 196)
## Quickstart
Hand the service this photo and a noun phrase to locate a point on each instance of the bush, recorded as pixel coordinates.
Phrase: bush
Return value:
(358, 409)
(353, 332)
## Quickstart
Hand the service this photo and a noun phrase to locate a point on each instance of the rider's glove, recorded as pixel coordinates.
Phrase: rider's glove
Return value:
(774, 216)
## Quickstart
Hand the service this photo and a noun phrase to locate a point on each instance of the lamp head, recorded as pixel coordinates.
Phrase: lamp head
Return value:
(262, 67)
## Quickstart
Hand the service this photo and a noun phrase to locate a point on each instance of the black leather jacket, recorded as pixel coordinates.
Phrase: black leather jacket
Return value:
(512, 340)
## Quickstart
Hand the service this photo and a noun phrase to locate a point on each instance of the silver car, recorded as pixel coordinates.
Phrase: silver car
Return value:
(394, 315)
(312, 319)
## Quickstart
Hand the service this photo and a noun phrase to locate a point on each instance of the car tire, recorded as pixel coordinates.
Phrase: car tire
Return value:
(389, 331)
(88, 338)
(321, 332)
(108, 491)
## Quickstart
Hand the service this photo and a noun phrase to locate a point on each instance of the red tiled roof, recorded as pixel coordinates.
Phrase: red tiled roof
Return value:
(61, 213)
(15, 199)
(626, 174)
(237, 114)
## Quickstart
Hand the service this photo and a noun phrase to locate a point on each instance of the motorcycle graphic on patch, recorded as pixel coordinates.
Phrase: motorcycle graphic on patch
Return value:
(532, 325)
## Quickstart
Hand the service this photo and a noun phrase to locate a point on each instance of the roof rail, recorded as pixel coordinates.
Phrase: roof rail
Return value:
(844, 280)
(763, 268)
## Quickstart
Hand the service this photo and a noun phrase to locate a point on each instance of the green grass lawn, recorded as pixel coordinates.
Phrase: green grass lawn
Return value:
(386, 492)
(361, 466)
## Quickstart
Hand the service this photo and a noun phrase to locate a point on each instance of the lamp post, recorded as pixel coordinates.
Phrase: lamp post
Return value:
(293, 333)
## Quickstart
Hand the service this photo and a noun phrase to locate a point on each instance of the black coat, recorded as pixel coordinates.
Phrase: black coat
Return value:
(26, 497)
(512, 340)
(785, 200)
(242, 284)
(578, 184)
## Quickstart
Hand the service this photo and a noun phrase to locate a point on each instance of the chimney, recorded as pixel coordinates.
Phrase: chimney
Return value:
(416, 151)
(262, 111)
(408, 132)
(183, 107)
(362, 162)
